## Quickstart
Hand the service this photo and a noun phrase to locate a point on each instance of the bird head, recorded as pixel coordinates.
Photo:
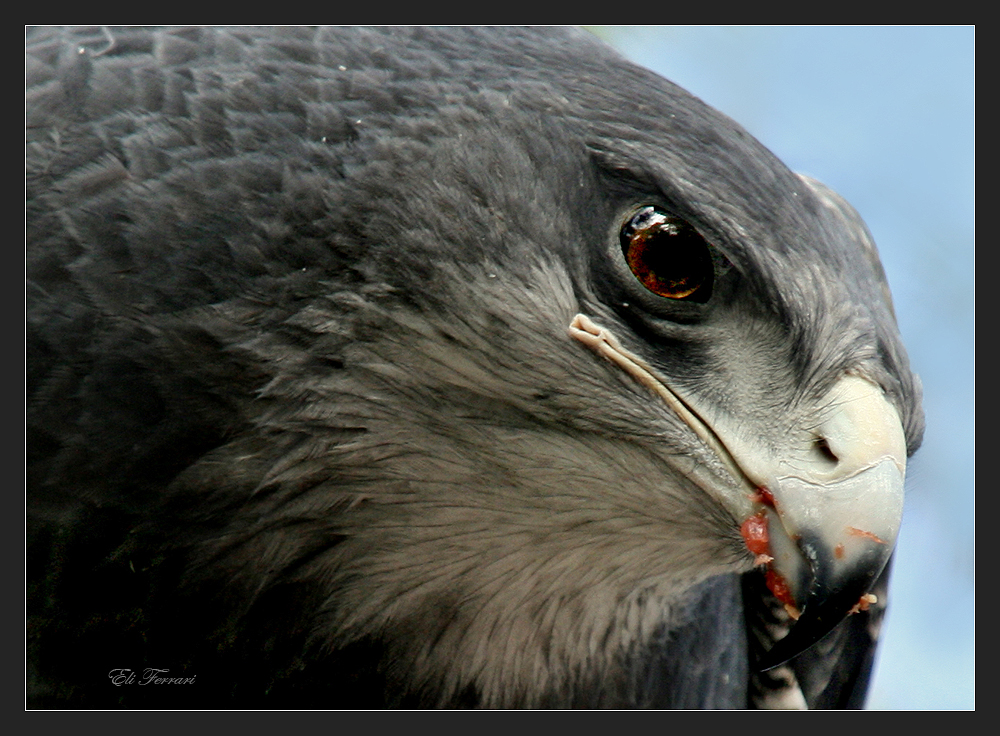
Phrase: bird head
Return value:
(516, 346)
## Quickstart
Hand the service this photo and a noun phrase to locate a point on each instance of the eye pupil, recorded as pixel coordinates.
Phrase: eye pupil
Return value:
(668, 256)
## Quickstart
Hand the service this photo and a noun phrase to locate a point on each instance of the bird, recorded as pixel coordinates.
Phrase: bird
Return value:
(463, 367)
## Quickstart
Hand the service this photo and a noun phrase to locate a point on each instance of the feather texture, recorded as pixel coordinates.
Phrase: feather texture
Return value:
(305, 426)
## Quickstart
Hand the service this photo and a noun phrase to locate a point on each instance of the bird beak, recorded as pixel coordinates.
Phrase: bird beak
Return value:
(832, 515)
(827, 514)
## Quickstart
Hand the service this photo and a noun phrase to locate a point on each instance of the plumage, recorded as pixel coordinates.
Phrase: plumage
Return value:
(343, 390)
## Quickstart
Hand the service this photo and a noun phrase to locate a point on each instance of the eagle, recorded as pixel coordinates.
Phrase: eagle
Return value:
(440, 367)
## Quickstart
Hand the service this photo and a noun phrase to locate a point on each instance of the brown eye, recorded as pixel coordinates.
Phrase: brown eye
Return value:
(668, 256)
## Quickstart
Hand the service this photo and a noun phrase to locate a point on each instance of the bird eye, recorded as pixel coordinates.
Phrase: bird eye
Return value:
(668, 256)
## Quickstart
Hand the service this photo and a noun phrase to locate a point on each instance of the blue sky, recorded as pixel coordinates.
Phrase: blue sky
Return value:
(886, 116)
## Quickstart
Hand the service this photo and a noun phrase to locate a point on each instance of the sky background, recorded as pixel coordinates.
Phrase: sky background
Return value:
(885, 116)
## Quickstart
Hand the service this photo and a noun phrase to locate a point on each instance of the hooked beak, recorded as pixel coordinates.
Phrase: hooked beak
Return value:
(833, 515)
(827, 515)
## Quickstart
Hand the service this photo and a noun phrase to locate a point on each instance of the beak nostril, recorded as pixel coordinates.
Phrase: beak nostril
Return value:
(823, 448)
